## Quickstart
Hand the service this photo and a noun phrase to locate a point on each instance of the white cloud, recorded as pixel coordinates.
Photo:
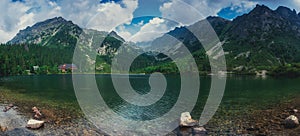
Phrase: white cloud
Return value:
(296, 3)
(121, 30)
(183, 14)
(243, 7)
(12, 17)
(188, 12)
(155, 28)
(156, 21)
(110, 15)
(139, 24)
(16, 16)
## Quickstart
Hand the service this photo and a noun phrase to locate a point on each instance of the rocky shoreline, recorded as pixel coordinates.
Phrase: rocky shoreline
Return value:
(268, 121)
(61, 121)
(13, 122)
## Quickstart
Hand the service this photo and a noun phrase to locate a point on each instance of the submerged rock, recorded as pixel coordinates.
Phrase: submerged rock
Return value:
(34, 124)
(186, 120)
(291, 122)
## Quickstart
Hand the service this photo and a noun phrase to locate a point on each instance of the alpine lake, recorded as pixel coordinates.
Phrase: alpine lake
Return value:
(243, 97)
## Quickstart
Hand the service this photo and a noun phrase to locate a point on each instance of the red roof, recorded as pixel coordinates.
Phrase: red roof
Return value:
(68, 66)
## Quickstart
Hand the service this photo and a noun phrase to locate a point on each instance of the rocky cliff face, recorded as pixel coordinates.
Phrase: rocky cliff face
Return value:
(268, 37)
(59, 33)
(263, 22)
(52, 32)
(263, 37)
(272, 36)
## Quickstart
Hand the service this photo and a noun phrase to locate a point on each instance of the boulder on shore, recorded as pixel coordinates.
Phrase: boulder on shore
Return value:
(291, 122)
(38, 114)
(186, 120)
(34, 124)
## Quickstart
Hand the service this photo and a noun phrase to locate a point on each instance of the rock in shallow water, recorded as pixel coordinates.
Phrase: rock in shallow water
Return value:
(199, 130)
(34, 124)
(291, 122)
(186, 120)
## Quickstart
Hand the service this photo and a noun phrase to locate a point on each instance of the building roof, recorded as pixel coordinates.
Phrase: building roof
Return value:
(67, 66)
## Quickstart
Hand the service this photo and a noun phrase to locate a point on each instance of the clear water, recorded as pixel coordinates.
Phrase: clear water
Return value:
(241, 93)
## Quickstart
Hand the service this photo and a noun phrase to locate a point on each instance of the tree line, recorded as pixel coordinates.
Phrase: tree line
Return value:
(19, 59)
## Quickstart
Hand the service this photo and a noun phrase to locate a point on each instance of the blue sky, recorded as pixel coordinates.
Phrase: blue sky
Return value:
(231, 12)
(137, 20)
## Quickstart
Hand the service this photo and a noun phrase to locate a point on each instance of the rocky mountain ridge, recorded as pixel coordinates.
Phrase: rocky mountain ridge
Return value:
(261, 38)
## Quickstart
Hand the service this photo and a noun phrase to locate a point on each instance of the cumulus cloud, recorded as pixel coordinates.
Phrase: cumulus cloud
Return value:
(190, 11)
(86, 13)
(110, 15)
(183, 12)
(18, 15)
(155, 28)
(123, 32)
(139, 24)
(10, 18)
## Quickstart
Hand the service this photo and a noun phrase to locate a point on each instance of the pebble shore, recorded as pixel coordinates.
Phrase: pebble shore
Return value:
(268, 121)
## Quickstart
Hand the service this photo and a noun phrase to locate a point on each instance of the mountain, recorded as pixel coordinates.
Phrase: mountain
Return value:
(52, 32)
(63, 36)
(116, 36)
(271, 37)
(260, 39)
(185, 36)
(262, 20)
(58, 33)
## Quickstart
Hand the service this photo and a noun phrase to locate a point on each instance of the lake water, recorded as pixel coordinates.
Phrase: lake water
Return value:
(241, 93)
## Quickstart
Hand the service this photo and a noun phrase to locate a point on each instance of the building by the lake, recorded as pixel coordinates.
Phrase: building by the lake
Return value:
(67, 67)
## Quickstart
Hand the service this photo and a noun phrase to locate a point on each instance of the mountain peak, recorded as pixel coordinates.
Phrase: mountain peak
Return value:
(261, 6)
(283, 8)
(260, 9)
(53, 21)
(59, 18)
(286, 12)
(216, 18)
(42, 33)
(115, 35)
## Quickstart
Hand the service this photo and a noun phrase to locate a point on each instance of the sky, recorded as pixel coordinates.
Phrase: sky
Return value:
(134, 20)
